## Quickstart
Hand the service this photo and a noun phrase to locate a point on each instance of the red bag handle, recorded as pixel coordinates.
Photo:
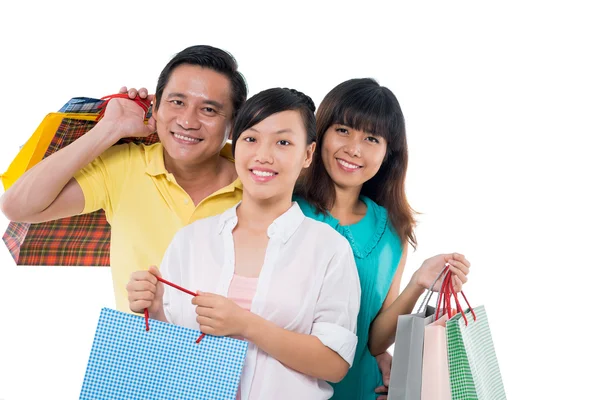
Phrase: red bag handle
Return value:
(445, 299)
(460, 307)
(176, 287)
(144, 103)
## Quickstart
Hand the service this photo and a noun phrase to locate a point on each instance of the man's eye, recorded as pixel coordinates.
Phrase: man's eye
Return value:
(177, 102)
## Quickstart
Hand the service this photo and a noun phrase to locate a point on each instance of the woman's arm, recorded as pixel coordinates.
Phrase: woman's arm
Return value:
(383, 329)
(303, 353)
(220, 316)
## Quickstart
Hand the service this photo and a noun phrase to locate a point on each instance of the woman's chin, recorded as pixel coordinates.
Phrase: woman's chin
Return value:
(261, 195)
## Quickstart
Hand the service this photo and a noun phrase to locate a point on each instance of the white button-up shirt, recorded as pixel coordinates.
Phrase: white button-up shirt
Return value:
(308, 284)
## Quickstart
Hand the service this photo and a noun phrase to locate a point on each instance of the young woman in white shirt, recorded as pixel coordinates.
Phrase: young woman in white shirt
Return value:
(264, 272)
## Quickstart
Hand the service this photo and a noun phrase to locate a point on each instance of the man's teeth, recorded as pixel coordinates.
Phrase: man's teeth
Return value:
(263, 173)
(348, 165)
(186, 138)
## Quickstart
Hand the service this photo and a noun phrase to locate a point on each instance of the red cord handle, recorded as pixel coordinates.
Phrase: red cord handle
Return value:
(144, 103)
(442, 303)
(176, 287)
(445, 299)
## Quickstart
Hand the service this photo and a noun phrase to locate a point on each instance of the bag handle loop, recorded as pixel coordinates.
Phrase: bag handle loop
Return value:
(176, 287)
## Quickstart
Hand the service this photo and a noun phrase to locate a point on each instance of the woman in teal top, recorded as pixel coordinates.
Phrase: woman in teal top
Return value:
(377, 252)
(356, 185)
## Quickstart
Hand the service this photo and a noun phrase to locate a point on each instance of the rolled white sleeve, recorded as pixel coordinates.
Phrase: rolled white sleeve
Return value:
(337, 307)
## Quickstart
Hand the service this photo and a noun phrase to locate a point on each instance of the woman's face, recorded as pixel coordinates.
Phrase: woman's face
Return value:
(352, 157)
(270, 156)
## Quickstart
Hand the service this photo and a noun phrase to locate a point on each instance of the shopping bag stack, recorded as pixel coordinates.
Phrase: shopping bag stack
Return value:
(445, 352)
(136, 359)
(82, 240)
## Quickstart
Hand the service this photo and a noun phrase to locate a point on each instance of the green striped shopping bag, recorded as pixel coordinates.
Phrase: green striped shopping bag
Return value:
(474, 371)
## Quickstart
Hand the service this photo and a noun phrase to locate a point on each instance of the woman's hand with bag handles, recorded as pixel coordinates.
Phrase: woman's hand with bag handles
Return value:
(430, 269)
(144, 291)
(220, 316)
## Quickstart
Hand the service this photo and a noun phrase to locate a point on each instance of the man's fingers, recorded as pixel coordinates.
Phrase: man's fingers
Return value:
(151, 125)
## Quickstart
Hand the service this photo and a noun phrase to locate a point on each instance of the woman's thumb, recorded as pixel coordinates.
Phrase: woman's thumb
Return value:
(154, 271)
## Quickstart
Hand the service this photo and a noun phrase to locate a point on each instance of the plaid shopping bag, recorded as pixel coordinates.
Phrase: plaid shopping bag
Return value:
(82, 105)
(82, 240)
(166, 362)
(474, 370)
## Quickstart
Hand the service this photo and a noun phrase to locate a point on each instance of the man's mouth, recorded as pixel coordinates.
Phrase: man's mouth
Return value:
(186, 138)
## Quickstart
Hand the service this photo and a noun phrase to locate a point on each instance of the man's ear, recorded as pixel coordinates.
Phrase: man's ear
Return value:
(229, 131)
(154, 108)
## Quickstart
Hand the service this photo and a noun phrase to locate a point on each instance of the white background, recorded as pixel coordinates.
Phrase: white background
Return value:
(502, 103)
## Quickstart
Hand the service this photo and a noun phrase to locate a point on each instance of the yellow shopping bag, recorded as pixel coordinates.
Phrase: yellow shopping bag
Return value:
(34, 150)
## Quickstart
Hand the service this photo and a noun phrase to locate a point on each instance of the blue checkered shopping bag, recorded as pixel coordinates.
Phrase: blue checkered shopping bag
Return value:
(164, 362)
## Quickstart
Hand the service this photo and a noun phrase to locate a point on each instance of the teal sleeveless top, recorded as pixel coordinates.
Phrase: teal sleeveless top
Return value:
(377, 252)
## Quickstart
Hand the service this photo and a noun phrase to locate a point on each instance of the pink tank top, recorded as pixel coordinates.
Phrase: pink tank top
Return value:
(241, 291)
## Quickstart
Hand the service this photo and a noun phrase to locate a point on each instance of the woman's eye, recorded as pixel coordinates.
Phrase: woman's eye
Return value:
(373, 139)
(342, 130)
(284, 143)
(249, 139)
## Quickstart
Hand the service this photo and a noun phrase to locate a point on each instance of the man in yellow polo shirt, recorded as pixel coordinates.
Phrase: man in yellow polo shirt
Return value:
(147, 192)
